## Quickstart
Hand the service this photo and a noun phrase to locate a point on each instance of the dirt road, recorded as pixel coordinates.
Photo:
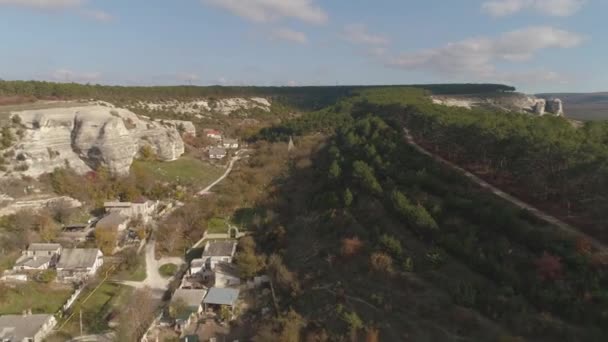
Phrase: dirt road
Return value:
(534, 211)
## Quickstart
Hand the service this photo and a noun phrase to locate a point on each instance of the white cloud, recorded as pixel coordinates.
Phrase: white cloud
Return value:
(272, 10)
(477, 57)
(359, 34)
(77, 6)
(557, 8)
(290, 35)
(97, 15)
(67, 75)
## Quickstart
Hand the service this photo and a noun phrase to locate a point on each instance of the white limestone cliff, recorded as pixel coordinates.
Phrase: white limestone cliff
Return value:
(88, 137)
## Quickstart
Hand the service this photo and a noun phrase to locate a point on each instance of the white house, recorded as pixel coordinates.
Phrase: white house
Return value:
(43, 249)
(226, 275)
(141, 209)
(217, 153)
(26, 328)
(230, 143)
(38, 257)
(197, 266)
(213, 134)
(218, 251)
(78, 264)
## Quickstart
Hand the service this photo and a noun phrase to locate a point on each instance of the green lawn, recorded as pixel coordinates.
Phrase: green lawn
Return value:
(168, 270)
(187, 171)
(110, 297)
(217, 225)
(40, 298)
(137, 273)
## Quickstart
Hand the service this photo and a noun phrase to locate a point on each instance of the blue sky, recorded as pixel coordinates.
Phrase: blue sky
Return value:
(536, 45)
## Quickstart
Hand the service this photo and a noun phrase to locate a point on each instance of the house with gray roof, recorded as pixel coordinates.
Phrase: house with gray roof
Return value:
(43, 249)
(218, 251)
(78, 264)
(192, 299)
(216, 298)
(226, 275)
(26, 328)
(38, 257)
(113, 220)
(217, 153)
(230, 143)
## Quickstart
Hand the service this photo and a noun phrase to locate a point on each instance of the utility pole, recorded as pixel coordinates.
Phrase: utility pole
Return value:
(80, 321)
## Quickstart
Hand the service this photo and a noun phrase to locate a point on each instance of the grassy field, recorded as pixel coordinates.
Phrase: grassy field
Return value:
(217, 225)
(168, 270)
(186, 171)
(40, 298)
(136, 274)
(100, 306)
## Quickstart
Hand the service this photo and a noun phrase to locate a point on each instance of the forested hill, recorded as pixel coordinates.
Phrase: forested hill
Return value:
(303, 98)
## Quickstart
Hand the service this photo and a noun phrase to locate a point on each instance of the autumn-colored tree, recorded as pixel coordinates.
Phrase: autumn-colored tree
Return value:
(372, 335)
(351, 246)
(584, 246)
(46, 226)
(549, 267)
(381, 262)
(248, 262)
(281, 275)
(136, 316)
(106, 238)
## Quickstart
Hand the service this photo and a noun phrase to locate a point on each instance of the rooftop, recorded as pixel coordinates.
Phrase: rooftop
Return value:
(197, 263)
(77, 258)
(18, 327)
(32, 262)
(230, 141)
(192, 298)
(117, 204)
(219, 248)
(43, 247)
(113, 219)
(221, 296)
(217, 150)
(227, 269)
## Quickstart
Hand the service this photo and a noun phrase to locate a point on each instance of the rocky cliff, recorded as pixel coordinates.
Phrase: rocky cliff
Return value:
(504, 101)
(89, 137)
(224, 106)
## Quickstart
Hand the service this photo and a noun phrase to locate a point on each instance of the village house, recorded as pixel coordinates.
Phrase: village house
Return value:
(26, 328)
(218, 251)
(114, 220)
(213, 134)
(217, 153)
(142, 209)
(192, 301)
(197, 266)
(217, 298)
(38, 257)
(226, 275)
(78, 264)
(230, 143)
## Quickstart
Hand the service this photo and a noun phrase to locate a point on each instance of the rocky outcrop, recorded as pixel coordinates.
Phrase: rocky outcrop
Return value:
(540, 106)
(555, 106)
(35, 204)
(225, 106)
(88, 137)
(504, 101)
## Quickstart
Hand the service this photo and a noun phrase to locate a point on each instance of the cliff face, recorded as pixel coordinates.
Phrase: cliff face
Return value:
(505, 101)
(89, 137)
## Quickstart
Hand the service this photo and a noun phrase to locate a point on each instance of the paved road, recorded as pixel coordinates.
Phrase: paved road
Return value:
(234, 159)
(153, 278)
(517, 202)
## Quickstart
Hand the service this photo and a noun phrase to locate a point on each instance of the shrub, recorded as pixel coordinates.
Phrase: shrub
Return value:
(168, 270)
